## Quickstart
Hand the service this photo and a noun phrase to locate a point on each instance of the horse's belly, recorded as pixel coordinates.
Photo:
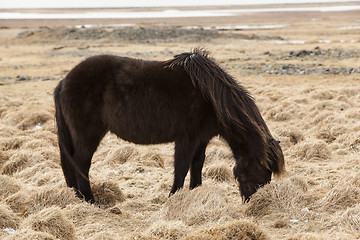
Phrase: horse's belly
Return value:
(146, 133)
(144, 127)
(148, 116)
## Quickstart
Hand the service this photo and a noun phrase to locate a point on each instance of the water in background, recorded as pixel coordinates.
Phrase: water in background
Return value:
(168, 12)
(5, 4)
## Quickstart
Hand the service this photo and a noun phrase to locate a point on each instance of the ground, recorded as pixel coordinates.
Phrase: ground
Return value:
(304, 77)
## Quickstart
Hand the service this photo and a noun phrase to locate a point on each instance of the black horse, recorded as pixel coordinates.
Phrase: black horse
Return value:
(187, 100)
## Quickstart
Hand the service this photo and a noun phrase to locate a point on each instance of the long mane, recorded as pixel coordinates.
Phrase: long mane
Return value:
(234, 106)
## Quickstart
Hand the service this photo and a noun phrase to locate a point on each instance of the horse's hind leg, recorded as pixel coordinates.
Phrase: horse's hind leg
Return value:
(68, 169)
(197, 165)
(184, 152)
(85, 148)
(83, 161)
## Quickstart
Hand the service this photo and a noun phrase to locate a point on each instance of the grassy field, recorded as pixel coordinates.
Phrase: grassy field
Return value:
(304, 77)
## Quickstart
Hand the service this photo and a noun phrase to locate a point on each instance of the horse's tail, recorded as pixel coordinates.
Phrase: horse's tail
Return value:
(234, 107)
(65, 140)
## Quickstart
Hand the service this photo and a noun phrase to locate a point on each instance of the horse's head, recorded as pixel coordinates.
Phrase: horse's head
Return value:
(251, 176)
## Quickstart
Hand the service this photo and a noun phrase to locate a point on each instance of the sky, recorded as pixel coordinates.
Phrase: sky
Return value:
(6, 4)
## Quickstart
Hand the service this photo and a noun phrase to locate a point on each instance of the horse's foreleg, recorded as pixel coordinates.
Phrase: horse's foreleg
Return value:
(184, 152)
(197, 165)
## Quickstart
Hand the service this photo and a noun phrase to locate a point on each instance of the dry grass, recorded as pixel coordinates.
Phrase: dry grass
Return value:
(52, 221)
(231, 231)
(280, 199)
(26, 234)
(316, 118)
(348, 221)
(48, 196)
(312, 150)
(8, 186)
(108, 193)
(345, 194)
(8, 219)
(220, 172)
(124, 154)
(18, 161)
(171, 230)
(206, 204)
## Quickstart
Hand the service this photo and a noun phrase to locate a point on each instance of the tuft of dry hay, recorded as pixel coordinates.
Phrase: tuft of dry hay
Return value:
(240, 229)
(83, 213)
(221, 172)
(285, 110)
(279, 115)
(50, 154)
(52, 221)
(26, 234)
(10, 143)
(123, 154)
(41, 173)
(323, 95)
(49, 137)
(309, 236)
(7, 131)
(352, 141)
(19, 160)
(141, 236)
(280, 198)
(200, 205)
(295, 137)
(348, 221)
(106, 234)
(31, 118)
(218, 153)
(290, 137)
(15, 201)
(330, 133)
(8, 186)
(48, 196)
(345, 194)
(116, 209)
(171, 230)
(340, 198)
(299, 183)
(35, 144)
(152, 159)
(312, 150)
(281, 223)
(107, 193)
(8, 219)
(4, 156)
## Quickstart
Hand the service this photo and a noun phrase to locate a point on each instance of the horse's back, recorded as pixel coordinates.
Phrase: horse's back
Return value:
(140, 101)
